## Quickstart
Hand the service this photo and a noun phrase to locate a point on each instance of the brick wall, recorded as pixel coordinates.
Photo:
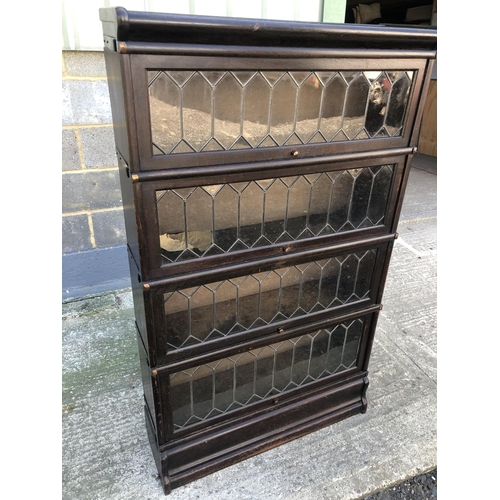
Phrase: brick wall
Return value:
(92, 215)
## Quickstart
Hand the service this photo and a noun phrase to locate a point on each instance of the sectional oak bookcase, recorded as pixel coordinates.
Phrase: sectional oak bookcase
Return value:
(263, 166)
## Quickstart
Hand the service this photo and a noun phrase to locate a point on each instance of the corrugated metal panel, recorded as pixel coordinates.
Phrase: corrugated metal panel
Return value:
(82, 27)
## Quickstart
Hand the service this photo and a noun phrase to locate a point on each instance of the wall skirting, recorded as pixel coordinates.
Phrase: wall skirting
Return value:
(95, 271)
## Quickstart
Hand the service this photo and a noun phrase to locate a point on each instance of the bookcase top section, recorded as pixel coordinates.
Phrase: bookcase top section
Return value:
(161, 28)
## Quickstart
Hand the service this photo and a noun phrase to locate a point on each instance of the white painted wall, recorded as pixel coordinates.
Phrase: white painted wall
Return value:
(81, 27)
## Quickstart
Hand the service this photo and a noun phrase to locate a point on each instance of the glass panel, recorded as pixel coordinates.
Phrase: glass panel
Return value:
(398, 102)
(275, 210)
(179, 317)
(329, 282)
(290, 289)
(223, 380)
(379, 194)
(346, 285)
(231, 383)
(225, 218)
(264, 373)
(248, 303)
(363, 281)
(201, 312)
(321, 189)
(283, 109)
(213, 145)
(355, 107)
(320, 343)
(351, 345)
(341, 200)
(377, 104)
(333, 106)
(179, 77)
(209, 220)
(222, 308)
(308, 107)
(197, 112)
(309, 293)
(336, 346)
(199, 221)
(298, 207)
(165, 108)
(250, 214)
(256, 110)
(361, 197)
(227, 110)
(301, 356)
(245, 375)
(222, 110)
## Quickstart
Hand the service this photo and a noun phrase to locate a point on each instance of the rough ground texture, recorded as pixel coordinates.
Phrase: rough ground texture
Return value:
(422, 487)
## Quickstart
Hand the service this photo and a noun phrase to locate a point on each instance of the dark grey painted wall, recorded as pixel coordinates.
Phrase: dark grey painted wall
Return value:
(94, 271)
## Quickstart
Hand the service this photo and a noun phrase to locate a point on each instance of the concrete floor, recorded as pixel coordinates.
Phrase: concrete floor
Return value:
(106, 452)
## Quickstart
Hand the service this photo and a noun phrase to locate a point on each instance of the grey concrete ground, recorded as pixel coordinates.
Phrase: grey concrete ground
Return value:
(106, 452)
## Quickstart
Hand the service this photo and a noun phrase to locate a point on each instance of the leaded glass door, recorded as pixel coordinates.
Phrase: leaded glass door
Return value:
(205, 311)
(263, 110)
(218, 388)
(262, 213)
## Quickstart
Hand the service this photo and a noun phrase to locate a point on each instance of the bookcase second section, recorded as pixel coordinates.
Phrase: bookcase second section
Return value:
(228, 214)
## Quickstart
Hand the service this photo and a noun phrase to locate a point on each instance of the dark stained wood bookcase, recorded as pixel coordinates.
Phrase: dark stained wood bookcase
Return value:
(263, 166)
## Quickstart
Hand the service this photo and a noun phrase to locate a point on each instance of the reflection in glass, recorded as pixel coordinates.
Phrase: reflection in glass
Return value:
(308, 107)
(377, 104)
(397, 104)
(282, 114)
(167, 129)
(355, 107)
(227, 111)
(227, 384)
(333, 106)
(213, 310)
(195, 111)
(211, 220)
(256, 109)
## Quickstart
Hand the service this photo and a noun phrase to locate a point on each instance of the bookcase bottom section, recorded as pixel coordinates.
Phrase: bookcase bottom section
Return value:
(184, 460)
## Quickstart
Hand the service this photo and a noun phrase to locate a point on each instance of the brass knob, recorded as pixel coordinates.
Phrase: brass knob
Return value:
(295, 153)
(280, 329)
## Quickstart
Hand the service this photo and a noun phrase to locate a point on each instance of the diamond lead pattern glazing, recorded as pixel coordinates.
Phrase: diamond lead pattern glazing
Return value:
(193, 111)
(228, 384)
(216, 310)
(211, 220)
